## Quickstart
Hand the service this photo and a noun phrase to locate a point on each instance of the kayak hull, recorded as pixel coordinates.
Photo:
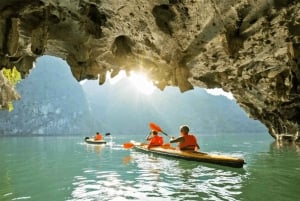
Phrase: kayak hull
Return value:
(93, 141)
(194, 156)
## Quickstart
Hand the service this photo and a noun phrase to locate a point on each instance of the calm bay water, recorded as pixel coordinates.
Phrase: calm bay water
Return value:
(65, 168)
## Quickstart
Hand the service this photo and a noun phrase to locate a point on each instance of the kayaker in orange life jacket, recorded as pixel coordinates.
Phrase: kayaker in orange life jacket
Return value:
(98, 136)
(154, 140)
(187, 142)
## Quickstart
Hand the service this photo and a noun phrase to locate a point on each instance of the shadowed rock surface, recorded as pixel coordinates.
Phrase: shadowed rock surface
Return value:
(250, 48)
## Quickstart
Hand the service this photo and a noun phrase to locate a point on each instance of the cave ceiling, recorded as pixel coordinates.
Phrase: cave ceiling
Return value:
(250, 48)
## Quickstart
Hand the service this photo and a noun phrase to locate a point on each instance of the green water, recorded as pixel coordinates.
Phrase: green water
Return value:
(65, 168)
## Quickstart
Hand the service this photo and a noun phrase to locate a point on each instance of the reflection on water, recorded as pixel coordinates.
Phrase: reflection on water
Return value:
(274, 175)
(94, 148)
(285, 146)
(146, 177)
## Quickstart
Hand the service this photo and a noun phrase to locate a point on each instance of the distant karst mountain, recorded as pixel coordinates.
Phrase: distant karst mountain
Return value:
(121, 108)
(52, 103)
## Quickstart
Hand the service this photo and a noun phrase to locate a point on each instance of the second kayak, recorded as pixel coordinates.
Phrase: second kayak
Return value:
(93, 141)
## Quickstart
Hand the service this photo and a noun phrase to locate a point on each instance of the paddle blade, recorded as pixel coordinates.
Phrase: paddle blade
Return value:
(128, 145)
(154, 127)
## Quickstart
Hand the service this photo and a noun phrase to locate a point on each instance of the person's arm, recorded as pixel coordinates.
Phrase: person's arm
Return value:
(198, 147)
(149, 136)
(179, 139)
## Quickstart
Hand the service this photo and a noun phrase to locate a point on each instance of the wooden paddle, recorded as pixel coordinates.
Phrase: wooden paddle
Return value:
(156, 128)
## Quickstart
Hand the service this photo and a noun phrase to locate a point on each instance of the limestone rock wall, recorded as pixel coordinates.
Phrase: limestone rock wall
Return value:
(248, 47)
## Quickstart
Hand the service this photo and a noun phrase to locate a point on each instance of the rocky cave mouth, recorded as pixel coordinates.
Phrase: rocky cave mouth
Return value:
(248, 48)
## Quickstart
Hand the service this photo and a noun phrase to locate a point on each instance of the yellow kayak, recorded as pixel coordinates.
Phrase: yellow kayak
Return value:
(192, 155)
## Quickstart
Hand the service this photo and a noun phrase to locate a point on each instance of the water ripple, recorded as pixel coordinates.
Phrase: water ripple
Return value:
(154, 178)
(57, 168)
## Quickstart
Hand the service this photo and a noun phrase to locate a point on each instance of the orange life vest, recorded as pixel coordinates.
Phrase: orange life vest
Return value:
(156, 141)
(98, 137)
(190, 142)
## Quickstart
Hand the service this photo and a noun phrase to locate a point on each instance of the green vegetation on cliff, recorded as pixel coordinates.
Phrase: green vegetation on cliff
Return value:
(13, 76)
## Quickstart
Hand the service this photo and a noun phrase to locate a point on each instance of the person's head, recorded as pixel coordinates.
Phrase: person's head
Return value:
(184, 129)
(97, 133)
(154, 132)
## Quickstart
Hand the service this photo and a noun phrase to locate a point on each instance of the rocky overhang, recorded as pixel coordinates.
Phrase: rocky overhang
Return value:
(250, 48)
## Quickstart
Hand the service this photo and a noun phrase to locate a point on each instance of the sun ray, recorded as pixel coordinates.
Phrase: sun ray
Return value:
(142, 83)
